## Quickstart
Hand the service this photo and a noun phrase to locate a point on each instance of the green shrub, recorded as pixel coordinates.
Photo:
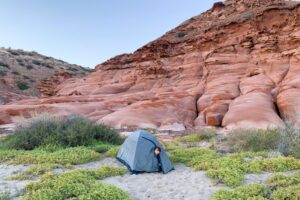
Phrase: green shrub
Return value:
(254, 140)
(278, 187)
(291, 192)
(76, 184)
(4, 65)
(49, 66)
(36, 62)
(65, 132)
(205, 134)
(29, 67)
(230, 169)
(250, 192)
(15, 73)
(5, 196)
(102, 147)
(69, 156)
(34, 171)
(290, 140)
(112, 152)
(3, 73)
(180, 34)
(22, 86)
(247, 17)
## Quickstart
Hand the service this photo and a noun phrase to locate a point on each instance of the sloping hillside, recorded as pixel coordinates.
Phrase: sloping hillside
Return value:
(22, 71)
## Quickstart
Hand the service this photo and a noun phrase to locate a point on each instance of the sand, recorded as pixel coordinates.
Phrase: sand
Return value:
(180, 184)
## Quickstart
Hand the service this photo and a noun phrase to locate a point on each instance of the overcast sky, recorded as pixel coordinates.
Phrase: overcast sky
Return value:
(88, 32)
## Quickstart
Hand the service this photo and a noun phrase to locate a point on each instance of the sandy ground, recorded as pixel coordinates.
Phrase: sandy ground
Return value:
(180, 184)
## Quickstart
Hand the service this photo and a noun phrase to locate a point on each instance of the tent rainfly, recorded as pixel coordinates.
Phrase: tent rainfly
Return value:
(137, 154)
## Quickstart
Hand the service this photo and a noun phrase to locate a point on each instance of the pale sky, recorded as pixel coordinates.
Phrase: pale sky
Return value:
(88, 32)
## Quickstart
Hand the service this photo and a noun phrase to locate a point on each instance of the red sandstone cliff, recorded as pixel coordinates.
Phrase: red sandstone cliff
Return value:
(236, 65)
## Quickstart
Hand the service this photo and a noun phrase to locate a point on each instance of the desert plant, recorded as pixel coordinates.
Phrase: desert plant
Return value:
(204, 134)
(4, 65)
(77, 184)
(3, 73)
(68, 156)
(36, 62)
(29, 67)
(70, 131)
(247, 17)
(22, 85)
(254, 140)
(15, 73)
(180, 34)
(277, 187)
(289, 143)
(5, 196)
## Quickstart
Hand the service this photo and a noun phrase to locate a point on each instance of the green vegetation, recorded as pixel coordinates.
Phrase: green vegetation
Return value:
(3, 73)
(254, 140)
(29, 67)
(36, 62)
(278, 187)
(205, 134)
(64, 132)
(230, 169)
(35, 171)
(69, 156)
(22, 85)
(77, 184)
(180, 34)
(4, 196)
(15, 73)
(4, 65)
(47, 143)
(247, 17)
(49, 66)
(285, 140)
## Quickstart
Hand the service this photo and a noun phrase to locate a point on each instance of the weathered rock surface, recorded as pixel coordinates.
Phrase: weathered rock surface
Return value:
(236, 65)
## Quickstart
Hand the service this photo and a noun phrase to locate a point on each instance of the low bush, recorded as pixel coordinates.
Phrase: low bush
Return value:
(205, 134)
(101, 147)
(22, 86)
(36, 62)
(29, 67)
(69, 156)
(230, 169)
(2, 64)
(3, 73)
(15, 73)
(64, 132)
(285, 140)
(180, 34)
(278, 187)
(251, 192)
(254, 140)
(77, 184)
(112, 152)
(34, 171)
(5, 196)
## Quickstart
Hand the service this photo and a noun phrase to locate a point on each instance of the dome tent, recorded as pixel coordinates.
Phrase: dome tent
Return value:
(137, 153)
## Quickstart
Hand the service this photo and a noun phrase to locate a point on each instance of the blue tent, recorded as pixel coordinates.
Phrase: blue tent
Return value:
(137, 153)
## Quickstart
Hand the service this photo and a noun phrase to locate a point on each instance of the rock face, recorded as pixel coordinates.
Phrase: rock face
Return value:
(236, 65)
(47, 87)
